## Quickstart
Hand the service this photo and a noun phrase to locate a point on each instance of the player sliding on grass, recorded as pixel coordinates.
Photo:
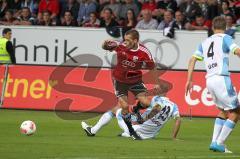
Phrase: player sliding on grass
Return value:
(215, 53)
(147, 124)
(158, 111)
(127, 76)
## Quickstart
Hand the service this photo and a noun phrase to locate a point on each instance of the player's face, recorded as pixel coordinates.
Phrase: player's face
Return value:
(130, 42)
(144, 99)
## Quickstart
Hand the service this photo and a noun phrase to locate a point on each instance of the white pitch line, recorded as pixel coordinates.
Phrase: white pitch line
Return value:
(178, 157)
(150, 157)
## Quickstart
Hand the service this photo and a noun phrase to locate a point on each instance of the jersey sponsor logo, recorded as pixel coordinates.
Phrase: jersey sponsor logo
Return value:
(126, 63)
(199, 95)
(123, 53)
(135, 58)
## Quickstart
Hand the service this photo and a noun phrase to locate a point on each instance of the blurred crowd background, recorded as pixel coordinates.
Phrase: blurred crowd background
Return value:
(140, 14)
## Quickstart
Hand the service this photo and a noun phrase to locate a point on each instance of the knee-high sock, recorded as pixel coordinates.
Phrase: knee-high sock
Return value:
(217, 128)
(127, 120)
(226, 131)
(121, 122)
(105, 119)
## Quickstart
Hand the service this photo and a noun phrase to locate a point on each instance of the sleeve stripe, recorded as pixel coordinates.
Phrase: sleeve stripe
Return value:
(233, 47)
(199, 58)
(146, 51)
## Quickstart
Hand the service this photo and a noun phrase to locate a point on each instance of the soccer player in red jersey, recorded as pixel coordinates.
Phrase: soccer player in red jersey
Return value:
(127, 76)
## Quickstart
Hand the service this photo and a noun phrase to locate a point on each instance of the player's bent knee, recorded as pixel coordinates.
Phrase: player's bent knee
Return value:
(124, 107)
(123, 104)
(114, 110)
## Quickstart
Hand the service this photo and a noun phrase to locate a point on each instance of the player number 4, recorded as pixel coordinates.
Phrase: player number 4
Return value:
(210, 52)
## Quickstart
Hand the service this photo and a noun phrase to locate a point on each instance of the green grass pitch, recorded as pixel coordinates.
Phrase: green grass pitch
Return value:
(64, 139)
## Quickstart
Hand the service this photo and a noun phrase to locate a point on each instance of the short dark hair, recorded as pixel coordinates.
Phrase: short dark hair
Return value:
(229, 15)
(219, 23)
(134, 33)
(9, 11)
(46, 11)
(199, 16)
(26, 8)
(170, 11)
(67, 11)
(109, 9)
(95, 13)
(6, 30)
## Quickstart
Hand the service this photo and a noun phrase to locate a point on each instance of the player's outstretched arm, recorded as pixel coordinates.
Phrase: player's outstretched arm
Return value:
(176, 127)
(155, 75)
(156, 109)
(109, 45)
(191, 66)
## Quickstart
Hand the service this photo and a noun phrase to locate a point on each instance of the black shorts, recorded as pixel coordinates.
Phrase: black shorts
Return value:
(121, 89)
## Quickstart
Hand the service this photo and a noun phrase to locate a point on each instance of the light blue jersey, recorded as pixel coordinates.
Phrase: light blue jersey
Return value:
(152, 126)
(215, 53)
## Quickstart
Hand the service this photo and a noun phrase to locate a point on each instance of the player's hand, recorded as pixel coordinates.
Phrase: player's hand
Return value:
(109, 45)
(188, 87)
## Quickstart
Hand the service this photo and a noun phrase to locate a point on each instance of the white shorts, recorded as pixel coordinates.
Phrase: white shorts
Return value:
(222, 91)
(146, 132)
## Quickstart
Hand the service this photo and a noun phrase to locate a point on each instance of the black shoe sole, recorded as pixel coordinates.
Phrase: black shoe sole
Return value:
(88, 133)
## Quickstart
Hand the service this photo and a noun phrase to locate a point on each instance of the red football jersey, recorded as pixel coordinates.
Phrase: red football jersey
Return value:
(130, 63)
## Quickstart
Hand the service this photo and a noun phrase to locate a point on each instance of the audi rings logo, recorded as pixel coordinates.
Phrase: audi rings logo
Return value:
(126, 63)
(163, 55)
